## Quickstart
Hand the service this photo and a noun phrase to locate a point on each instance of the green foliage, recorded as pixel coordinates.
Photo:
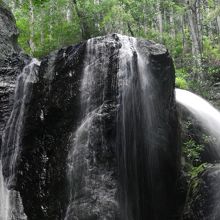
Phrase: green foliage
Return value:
(194, 176)
(192, 151)
(181, 78)
(64, 22)
(210, 49)
(181, 83)
(196, 171)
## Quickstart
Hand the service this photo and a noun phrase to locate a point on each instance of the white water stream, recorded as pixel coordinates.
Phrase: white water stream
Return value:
(4, 197)
(11, 207)
(203, 111)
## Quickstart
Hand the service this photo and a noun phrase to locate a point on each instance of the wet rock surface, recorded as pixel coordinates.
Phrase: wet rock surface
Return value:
(53, 116)
(12, 62)
(204, 195)
(54, 113)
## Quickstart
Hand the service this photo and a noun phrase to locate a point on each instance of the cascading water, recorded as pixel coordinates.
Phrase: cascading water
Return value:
(86, 179)
(4, 197)
(209, 119)
(138, 135)
(139, 143)
(204, 112)
(10, 200)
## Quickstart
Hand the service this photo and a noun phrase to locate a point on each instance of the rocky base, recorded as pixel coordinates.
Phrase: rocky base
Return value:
(204, 195)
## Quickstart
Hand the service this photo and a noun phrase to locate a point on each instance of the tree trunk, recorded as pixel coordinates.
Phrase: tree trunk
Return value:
(159, 19)
(194, 32)
(42, 37)
(97, 16)
(31, 26)
(84, 27)
(172, 24)
(68, 11)
(218, 17)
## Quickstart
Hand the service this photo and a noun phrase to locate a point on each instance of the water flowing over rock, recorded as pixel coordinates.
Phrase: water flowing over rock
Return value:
(92, 155)
(202, 202)
(119, 169)
(4, 197)
(96, 117)
(12, 207)
(12, 62)
(141, 139)
(93, 133)
(203, 111)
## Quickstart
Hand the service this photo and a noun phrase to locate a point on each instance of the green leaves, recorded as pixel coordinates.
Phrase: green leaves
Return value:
(192, 151)
(63, 22)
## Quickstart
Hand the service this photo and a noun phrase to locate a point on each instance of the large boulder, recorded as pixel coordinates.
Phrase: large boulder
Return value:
(54, 122)
(204, 194)
(12, 62)
(101, 113)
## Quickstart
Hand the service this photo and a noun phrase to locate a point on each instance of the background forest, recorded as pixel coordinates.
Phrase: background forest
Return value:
(190, 29)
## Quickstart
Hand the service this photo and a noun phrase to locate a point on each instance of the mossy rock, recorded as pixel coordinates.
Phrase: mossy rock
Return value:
(203, 196)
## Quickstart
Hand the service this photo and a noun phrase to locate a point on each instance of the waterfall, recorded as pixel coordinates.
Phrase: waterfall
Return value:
(204, 112)
(10, 200)
(139, 136)
(4, 197)
(84, 177)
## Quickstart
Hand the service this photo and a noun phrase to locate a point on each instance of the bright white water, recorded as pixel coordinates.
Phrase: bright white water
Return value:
(204, 112)
(4, 197)
(81, 177)
(137, 123)
(10, 200)
(117, 76)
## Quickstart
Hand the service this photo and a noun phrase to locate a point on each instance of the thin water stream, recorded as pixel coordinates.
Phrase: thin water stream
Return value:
(138, 140)
(10, 200)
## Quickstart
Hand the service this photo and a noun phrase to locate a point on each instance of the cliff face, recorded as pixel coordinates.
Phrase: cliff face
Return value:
(99, 133)
(52, 115)
(11, 63)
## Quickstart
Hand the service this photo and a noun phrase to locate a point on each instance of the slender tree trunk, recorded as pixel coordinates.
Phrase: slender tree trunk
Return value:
(50, 23)
(84, 27)
(182, 25)
(42, 37)
(98, 16)
(69, 11)
(159, 19)
(198, 8)
(130, 29)
(172, 24)
(182, 30)
(218, 17)
(208, 26)
(31, 26)
(145, 18)
(194, 32)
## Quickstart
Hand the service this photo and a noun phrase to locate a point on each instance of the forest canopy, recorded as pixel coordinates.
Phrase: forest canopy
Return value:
(190, 29)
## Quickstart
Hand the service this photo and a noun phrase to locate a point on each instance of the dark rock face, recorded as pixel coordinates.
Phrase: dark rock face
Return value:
(72, 128)
(52, 121)
(11, 63)
(53, 114)
(92, 158)
(147, 172)
(204, 195)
